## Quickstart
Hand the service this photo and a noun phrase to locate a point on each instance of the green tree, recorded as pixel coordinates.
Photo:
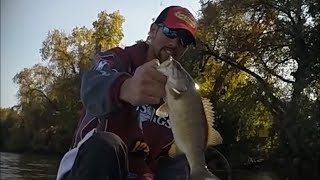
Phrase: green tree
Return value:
(49, 92)
(259, 63)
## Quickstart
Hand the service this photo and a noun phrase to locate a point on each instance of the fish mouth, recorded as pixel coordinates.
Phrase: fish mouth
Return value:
(169, 52)
(167, 63)
(177, 91)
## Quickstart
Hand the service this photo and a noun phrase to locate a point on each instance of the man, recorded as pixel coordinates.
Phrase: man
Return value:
(120, 137)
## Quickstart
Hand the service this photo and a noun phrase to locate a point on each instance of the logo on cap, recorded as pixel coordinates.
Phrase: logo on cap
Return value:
(186, 18)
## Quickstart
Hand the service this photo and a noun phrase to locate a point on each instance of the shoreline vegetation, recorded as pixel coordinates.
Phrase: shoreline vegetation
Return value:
(257, 61)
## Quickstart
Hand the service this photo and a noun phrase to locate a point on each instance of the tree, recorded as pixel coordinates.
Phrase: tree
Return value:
(276, 44)
(49, 92)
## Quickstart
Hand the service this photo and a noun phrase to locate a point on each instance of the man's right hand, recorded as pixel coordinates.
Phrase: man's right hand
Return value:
(147, 86)
(147, 177)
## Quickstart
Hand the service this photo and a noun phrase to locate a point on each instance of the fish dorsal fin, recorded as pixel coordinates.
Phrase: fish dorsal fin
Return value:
(163, 110)
(214, 137)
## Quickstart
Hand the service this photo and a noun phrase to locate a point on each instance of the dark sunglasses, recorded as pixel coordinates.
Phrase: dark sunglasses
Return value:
(184, 38)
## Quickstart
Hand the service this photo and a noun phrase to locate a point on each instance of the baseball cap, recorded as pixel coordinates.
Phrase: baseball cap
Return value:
(177, 17)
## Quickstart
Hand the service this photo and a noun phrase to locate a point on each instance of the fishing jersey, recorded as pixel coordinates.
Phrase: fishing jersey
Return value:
(103, 109)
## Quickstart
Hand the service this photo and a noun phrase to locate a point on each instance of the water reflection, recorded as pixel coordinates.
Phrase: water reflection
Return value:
(27, 167)
(35, 167)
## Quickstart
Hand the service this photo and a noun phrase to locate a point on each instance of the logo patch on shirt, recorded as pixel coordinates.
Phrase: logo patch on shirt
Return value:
(104, 60)
(100, 65)
(148, 113)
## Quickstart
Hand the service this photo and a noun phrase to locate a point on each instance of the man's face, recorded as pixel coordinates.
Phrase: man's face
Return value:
(166, 42)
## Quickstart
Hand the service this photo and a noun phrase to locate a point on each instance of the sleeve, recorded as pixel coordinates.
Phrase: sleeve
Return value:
(101, 85)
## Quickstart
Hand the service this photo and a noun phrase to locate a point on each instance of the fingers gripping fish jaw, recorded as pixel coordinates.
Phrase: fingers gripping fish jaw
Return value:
(177, 80)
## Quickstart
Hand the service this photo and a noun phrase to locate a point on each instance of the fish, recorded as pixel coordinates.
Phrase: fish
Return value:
(191, 118)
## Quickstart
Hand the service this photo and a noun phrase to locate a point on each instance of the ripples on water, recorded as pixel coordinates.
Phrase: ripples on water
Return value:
(27, 167)
(35, 167)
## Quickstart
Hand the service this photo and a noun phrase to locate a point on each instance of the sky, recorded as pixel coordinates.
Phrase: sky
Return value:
(25, 25)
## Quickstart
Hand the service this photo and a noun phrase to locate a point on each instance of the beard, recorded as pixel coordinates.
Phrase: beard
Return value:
(164, 54)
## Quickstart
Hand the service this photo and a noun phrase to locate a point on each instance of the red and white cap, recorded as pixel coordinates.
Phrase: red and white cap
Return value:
(177, 17)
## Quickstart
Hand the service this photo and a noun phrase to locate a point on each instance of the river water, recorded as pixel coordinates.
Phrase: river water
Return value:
(27, 167)
(37, 167)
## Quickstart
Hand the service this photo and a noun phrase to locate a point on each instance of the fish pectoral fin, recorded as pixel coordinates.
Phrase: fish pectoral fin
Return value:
(214, 137)
(174, 151)
(163, 110)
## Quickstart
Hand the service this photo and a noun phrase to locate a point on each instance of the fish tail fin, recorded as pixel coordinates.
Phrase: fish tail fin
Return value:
(214, 137)
(204, 174)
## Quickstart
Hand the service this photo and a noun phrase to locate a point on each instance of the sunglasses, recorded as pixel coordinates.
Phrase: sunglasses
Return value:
(184, 38)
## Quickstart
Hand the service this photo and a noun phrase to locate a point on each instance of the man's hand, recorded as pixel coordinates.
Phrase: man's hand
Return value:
(147, 177)
(147, 86)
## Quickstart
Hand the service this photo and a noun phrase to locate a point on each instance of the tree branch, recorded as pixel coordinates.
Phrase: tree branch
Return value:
(70, 58)
(281, 10)
(54, 106)
(232, 63)
(203, 64)
(277, 104)
(272, 72)
(281, 62)
(276, 46)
